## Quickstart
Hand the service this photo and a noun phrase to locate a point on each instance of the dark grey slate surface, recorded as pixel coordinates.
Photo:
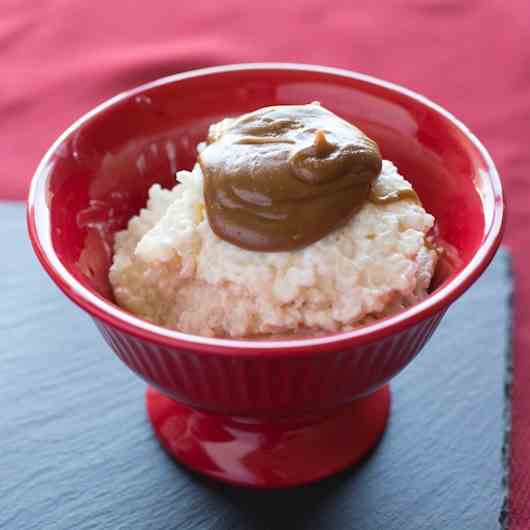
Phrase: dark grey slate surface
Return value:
(76, 450)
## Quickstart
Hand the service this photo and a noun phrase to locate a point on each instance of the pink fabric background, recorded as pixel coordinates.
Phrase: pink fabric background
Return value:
(59, 58)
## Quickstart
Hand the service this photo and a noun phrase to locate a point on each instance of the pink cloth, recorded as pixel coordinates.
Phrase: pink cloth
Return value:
(58, 58)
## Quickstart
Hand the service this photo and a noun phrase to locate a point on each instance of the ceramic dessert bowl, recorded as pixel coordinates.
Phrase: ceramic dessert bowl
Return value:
(265, 413)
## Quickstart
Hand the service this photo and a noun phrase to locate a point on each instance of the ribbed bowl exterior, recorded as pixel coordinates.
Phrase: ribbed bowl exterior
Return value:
(264, 385)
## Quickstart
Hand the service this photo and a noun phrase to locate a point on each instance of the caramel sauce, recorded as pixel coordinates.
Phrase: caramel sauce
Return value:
(395, 196)
(283, 177)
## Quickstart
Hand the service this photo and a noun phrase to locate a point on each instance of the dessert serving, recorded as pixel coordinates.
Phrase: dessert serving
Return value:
(271, 295)
(289, 223)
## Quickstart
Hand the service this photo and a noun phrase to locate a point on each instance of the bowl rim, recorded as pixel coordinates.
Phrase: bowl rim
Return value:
(102, 309)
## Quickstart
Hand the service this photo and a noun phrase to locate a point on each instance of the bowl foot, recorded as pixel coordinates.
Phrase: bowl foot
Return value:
(269, 453)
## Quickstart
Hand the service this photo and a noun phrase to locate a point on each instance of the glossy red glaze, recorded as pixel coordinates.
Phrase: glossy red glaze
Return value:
(268, 453)
(97, 175)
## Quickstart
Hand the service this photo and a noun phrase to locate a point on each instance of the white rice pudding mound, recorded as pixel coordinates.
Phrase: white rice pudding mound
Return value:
(173, 270)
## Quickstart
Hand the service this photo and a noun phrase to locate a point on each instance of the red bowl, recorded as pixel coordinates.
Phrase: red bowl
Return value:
(261, 413)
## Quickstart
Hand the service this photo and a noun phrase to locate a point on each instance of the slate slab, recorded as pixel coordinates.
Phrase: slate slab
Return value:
(77, 451)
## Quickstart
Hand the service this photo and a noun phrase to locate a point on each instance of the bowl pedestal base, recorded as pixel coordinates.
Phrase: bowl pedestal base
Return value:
(269, 453)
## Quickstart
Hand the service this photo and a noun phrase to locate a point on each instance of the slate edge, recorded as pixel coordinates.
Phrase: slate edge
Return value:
(504, 516)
